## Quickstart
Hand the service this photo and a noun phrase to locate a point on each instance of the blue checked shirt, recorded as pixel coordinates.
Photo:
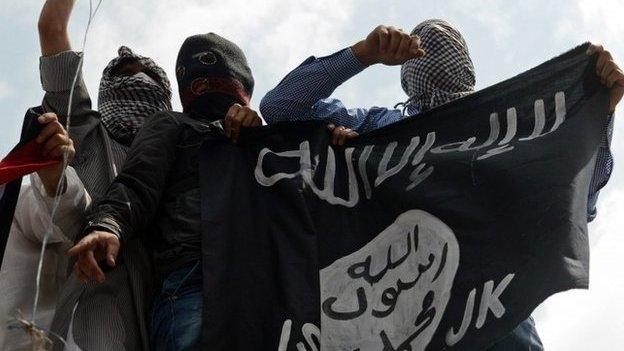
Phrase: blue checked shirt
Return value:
(304, 95)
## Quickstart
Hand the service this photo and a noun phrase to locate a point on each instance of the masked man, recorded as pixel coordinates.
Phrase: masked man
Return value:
(110, 315)
(156, 197)
(436, 69)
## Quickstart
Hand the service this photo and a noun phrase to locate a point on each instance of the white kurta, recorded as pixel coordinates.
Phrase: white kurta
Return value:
(19, 266)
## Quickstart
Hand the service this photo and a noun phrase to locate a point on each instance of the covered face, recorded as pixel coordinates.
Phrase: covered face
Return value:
(212, 74)
(445, 73)
(127, 99)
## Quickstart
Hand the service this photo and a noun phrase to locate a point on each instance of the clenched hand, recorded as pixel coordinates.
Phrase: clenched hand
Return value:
(240, 116)
(340, 134)
(388, 45)
(55, 143)
(610, 74)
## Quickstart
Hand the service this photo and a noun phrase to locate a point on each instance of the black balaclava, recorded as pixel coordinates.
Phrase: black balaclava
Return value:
(445, 73)
(125, 102)
(212, 74)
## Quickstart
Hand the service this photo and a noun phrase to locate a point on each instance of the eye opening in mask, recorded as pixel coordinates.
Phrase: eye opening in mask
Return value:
(126, 67)
(152, 75)
(130, 66)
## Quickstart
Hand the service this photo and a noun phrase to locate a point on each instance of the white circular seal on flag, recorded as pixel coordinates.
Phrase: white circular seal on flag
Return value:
(391, 294)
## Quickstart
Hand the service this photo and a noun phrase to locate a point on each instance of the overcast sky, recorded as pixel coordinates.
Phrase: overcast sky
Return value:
(505, 38)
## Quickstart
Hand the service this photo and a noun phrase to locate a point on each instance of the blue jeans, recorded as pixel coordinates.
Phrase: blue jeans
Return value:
(523, 338)
(177, 311)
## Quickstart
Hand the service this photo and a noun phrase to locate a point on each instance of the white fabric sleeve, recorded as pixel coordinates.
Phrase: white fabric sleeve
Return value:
(34, 209)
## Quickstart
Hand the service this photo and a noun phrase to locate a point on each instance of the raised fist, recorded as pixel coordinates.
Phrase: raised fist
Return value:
(388, 45)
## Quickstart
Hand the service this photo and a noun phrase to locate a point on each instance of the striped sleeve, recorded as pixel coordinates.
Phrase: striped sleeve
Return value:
(57, 71)
(57, 75)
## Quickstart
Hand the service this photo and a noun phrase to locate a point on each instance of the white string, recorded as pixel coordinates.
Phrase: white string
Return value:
(61, 183)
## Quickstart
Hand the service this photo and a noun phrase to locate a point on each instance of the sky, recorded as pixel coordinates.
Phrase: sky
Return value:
(505, 38)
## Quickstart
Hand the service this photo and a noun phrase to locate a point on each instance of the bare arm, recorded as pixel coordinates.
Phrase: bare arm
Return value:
(53, 36)
(58, 66)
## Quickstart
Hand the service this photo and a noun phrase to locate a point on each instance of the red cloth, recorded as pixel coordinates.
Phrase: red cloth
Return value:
(23, 161)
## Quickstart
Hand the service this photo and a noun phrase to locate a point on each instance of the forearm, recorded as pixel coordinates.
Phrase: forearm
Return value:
(110, 215)
(50, 182)
(130, 203)
(360, 51)
(133, 199)
(314, 80)
(53, 21)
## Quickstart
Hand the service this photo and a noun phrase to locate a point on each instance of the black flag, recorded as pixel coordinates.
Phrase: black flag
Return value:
(442, 231)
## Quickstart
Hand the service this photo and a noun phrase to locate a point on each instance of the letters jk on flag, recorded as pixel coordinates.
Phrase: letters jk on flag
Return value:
(440, 232)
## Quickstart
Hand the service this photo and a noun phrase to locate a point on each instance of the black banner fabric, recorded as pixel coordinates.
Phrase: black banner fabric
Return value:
(9, 192)
(440, 232)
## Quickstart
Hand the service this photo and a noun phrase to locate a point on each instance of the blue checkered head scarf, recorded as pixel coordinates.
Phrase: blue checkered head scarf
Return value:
(445, 73)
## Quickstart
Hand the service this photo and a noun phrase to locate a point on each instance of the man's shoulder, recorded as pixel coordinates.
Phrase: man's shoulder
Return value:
(184, 120)
(165, 119)
(173, 116)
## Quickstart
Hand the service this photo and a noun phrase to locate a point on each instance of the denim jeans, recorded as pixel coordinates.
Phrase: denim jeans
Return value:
(177, 311)
(523, 338)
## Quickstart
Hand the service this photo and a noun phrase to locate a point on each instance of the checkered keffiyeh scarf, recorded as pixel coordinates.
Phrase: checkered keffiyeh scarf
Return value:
(445, 73)
(126, 101)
